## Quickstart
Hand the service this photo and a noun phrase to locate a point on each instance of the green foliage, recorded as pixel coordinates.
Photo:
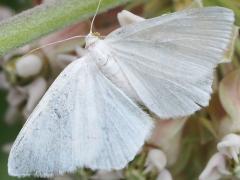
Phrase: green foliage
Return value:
(41, 20)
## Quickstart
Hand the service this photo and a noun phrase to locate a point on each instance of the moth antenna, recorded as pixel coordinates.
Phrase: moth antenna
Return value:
(91, 27)
(64, 40)
(53, 43)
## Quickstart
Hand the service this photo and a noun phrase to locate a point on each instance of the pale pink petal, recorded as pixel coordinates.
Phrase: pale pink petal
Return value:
(156, 159)
(216, 168)
(167, 135)
(125, 18)
(15, 97)
(230, 146)
(35, 91)
(164, 175)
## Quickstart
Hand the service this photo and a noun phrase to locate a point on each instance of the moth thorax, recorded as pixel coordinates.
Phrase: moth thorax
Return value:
(91, 38)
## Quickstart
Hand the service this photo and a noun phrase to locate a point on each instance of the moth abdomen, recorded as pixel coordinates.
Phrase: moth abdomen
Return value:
(105, 60)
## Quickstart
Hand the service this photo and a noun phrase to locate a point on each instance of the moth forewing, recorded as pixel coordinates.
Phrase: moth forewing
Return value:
(83, 120)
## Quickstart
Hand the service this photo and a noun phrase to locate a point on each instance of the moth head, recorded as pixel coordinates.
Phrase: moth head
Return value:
(91, 39)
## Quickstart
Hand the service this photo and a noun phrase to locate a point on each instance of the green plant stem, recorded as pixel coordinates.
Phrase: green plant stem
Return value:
(46, 18)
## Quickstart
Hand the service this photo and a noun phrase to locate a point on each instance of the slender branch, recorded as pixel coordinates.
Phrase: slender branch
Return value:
(46, 18)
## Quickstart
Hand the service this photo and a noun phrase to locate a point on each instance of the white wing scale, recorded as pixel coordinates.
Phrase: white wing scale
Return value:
(170, 60)
(82, 121)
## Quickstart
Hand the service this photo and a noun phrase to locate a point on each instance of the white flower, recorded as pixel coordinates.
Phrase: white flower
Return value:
(29, 65)
(35, 91)
(164, 175)
(156, 159)
(216, 168)
(167, 135)
(230, 146)
(16, 96)
(32, 93)
(126, 17)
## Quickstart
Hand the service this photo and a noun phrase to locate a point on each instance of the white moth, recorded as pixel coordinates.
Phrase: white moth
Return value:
(89, 117)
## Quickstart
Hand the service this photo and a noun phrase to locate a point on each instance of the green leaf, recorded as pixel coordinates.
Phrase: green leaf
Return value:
(48, 17)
